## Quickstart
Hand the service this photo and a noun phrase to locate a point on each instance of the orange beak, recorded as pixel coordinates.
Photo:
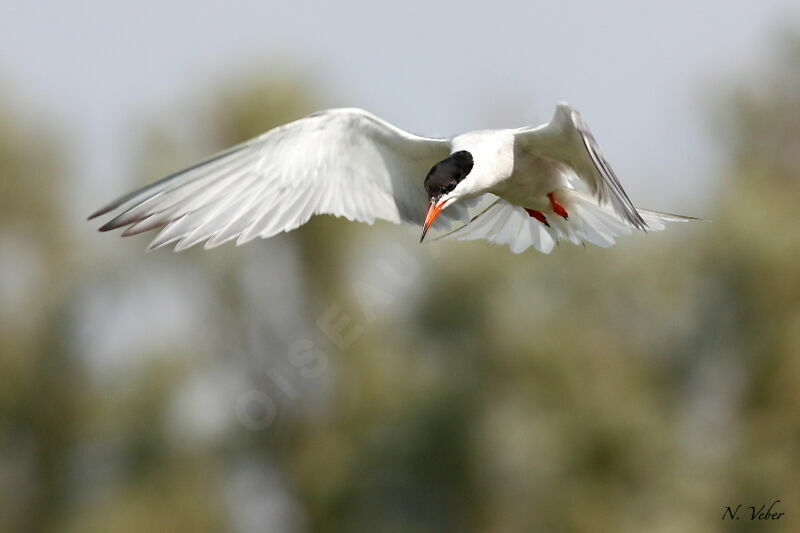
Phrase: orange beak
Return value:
(434, 211)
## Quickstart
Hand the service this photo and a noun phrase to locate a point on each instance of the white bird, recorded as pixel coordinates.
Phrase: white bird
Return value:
(350, 163)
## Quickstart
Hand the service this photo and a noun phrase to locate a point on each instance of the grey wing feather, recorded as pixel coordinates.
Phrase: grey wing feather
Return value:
(344, 162)
(117, 202)
(611, 189)
(567, 139)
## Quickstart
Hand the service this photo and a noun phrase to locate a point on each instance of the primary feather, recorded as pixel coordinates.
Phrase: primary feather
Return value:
(343, 162)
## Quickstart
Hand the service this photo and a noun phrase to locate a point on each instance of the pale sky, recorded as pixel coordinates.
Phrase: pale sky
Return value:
(638, 71)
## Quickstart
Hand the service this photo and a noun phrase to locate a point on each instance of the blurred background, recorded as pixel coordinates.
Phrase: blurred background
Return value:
(343, 378)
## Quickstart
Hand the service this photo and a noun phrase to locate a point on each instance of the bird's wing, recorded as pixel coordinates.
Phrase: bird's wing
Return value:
(566, 138)
(589, 222)
(343, 162)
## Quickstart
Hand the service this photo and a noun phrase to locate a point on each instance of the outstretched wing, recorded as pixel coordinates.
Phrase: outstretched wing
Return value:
(343, 162)
(566, 138)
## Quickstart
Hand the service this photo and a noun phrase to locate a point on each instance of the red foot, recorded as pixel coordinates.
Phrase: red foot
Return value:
(557, 207)
(538, 215)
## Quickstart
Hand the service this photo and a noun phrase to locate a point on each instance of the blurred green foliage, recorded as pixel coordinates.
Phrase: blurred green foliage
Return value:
(642, 388)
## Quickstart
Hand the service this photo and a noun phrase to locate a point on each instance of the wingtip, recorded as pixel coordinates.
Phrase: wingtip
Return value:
(108, 226)
(155, 245)
(99, 212)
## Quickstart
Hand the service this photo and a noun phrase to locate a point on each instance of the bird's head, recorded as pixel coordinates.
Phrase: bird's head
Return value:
(440, 182)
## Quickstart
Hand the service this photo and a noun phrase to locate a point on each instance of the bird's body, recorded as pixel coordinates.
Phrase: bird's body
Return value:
(348, 162)
(517, 176)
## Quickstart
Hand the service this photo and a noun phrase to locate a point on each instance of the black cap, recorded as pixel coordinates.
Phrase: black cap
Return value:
(447, 173)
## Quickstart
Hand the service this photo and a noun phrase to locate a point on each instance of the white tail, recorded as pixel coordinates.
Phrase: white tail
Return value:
(589, 222)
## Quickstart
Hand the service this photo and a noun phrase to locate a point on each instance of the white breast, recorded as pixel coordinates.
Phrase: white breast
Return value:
(532, 179)
(505, 170)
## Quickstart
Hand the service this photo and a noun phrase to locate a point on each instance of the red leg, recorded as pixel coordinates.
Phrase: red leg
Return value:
(557, 207)
(538, 215)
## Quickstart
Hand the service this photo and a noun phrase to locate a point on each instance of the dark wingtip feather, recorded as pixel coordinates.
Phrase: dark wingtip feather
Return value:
(108, 226)
(144, 225)
(640, 222)
(104, 210)
(129, 196)
(117, 202)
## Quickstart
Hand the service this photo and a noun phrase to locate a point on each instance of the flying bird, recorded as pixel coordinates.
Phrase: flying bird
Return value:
(525, 187)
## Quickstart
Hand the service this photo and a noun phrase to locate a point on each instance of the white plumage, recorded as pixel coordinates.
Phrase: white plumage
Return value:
(350, 163)
(589, 222)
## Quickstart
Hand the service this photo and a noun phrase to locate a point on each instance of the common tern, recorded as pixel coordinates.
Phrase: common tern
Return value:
(525, 187)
